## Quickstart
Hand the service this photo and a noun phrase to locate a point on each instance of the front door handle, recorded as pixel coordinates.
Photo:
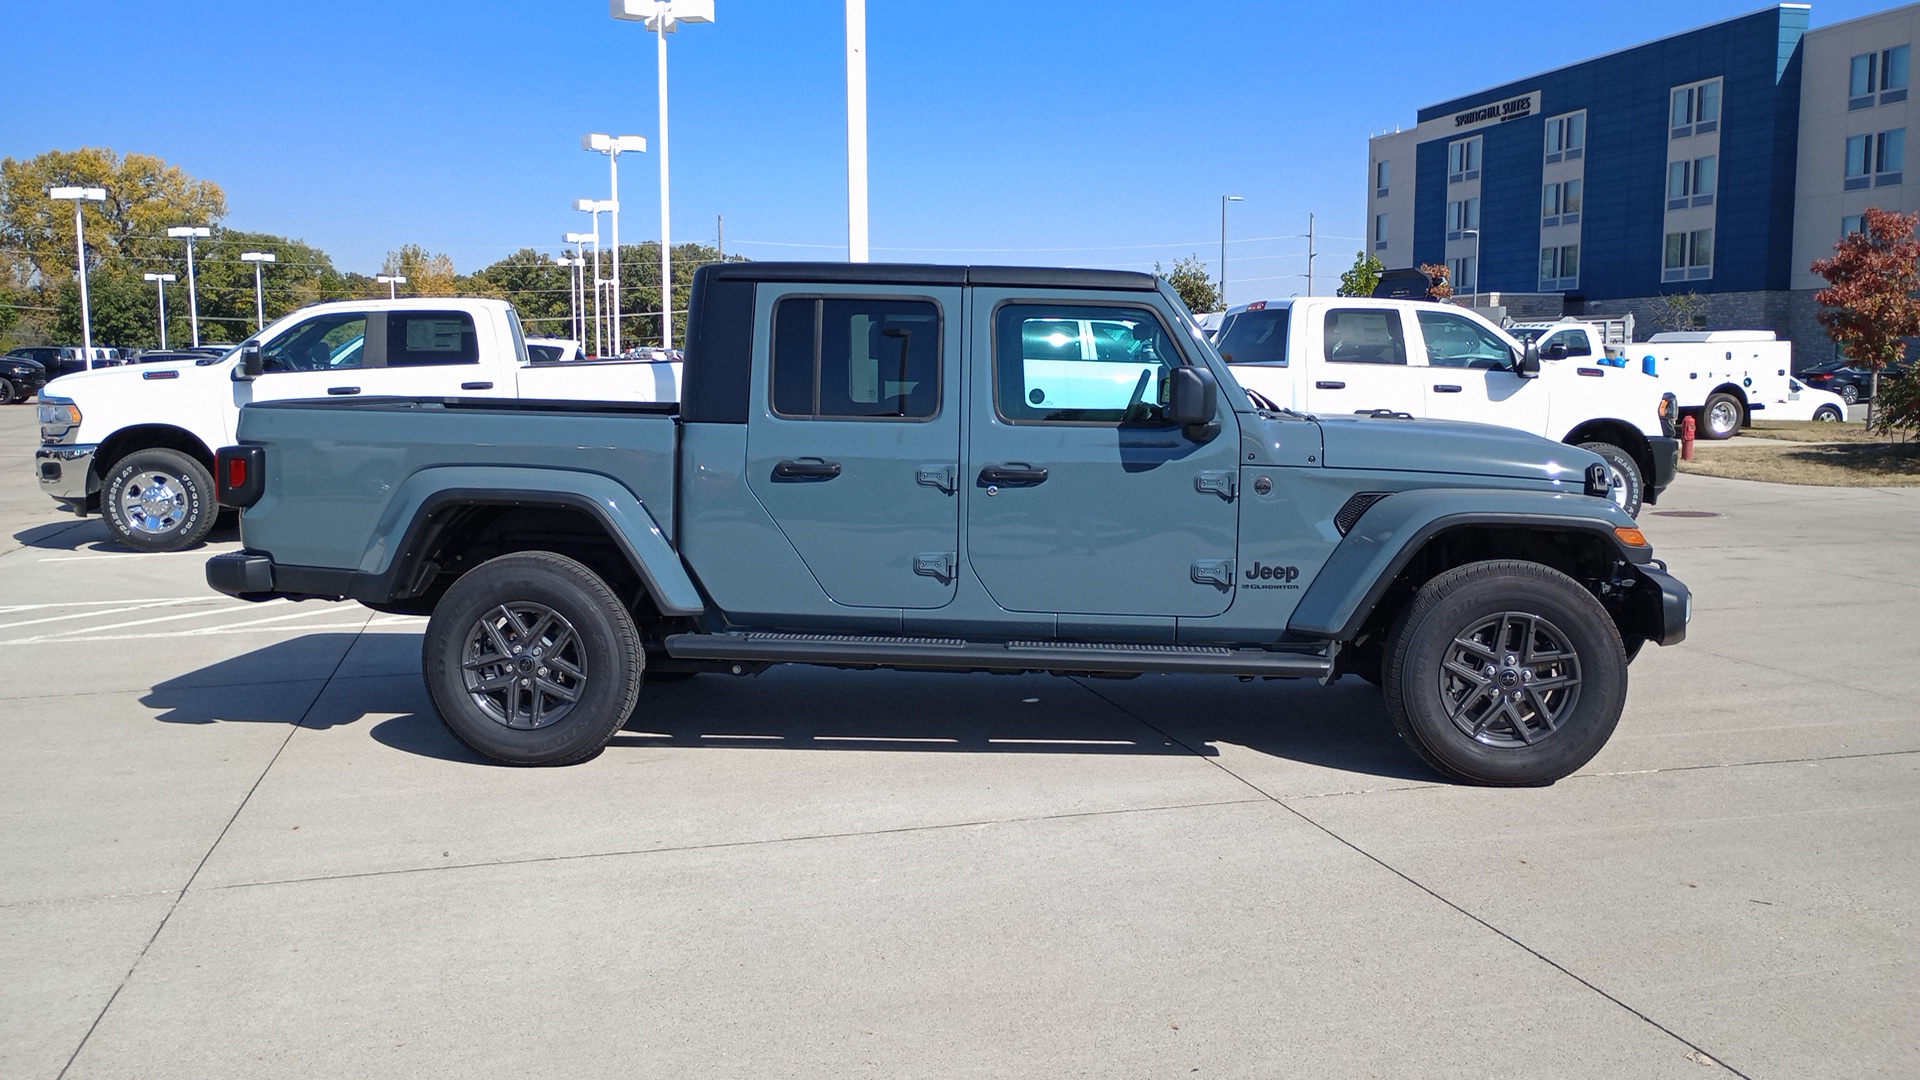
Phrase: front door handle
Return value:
(1018, 472)
(806, 468)
(1328, 384)
(343, 391)
(1445, 388)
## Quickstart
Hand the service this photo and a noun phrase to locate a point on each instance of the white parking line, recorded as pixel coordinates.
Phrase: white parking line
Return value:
(210, 601)
(392, 620)
(63, 634)
(8, 609)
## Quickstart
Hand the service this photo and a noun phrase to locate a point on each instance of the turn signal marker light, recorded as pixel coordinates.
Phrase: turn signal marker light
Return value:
(1631, 537)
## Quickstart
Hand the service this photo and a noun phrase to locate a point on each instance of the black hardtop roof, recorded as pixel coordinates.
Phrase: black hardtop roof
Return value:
(1045, 277)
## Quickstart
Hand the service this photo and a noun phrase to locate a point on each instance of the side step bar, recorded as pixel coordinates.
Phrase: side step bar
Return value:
(957, 654)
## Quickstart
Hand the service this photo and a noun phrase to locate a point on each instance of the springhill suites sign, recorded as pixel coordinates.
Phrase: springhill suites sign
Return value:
(1512, 109)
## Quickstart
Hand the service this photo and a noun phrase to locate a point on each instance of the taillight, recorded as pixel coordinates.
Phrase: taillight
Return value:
(239, 475)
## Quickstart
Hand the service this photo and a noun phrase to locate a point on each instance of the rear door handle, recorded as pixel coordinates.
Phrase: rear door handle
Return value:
(1446, 388)
(476, 386)
(1018, 472)
(806, 468)
(342, 391)
(1329, 385)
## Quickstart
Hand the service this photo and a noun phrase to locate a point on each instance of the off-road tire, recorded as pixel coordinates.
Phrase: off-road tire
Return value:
(608, 653)
(1626, 476)
(178, 473)
(1730, 412)
(1420, 685)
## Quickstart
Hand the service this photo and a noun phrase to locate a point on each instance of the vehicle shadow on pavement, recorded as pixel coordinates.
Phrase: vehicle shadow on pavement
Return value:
(1343, 726)
(69, 535)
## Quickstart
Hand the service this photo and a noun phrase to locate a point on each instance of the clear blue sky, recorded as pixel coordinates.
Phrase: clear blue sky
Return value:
(1080, 132)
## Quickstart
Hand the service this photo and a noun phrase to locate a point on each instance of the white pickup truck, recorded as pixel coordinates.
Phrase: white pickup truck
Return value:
(137, 442)
(1353, 354)
(1719, 377)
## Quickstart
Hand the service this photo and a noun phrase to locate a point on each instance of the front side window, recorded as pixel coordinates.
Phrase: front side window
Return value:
(1256, 337)
(326, 343)
(1061, 363)
(1458, 342)
(1577, 343)
(856, 358)
(1364, 336)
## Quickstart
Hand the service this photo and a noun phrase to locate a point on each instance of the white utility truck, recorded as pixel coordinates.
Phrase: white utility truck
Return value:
(137, 442)
(1332, 354)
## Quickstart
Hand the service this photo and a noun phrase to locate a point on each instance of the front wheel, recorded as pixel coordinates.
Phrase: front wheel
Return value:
(1720, 417)
(1827, 414)
(1849, 393)
(1628, 490)
(531, 659)
(1505, 673)
(158, 500)
(7, 392)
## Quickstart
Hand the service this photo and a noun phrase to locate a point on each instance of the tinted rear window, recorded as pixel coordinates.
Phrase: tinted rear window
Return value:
(1255, 337)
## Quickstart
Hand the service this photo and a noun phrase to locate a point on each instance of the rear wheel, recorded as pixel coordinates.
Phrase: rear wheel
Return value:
(7, 392)
(1505, 673)
(531, 659)
(1827, 414)
(158, 500)
(1849, 393)
(1720, 417)
(1629, 489)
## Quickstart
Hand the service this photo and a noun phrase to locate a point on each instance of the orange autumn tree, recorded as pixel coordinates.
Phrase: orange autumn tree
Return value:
(1440, 274)
(1869, 304)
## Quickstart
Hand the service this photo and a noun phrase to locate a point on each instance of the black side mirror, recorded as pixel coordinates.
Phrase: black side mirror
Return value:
(1529, 364)
(252, 364)
(1193, 401)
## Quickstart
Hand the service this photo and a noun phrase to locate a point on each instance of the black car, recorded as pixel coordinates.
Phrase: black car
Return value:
(1852, 383)
(20, 378)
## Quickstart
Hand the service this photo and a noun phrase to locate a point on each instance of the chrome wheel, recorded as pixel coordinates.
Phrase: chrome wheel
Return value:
(1723, 418)
(524, 666)
(153, 503)
(1510, 680)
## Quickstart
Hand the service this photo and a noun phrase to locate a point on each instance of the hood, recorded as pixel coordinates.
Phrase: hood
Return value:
(127, 375)
(1449, 446)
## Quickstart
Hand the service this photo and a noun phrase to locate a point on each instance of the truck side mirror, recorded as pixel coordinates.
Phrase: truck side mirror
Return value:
(1556, 350)
(252, 364)
(1529, 364)
(1194, 398)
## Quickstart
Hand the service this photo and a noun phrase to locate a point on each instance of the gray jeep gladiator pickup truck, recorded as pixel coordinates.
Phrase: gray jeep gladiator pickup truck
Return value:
(960, 469)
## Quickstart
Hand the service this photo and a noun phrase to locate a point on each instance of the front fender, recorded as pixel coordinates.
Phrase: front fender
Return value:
(1394, 529)
(399, 531)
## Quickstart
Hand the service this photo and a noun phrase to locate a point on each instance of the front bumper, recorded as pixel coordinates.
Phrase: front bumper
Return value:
(1666, 465)
(66, 474)
(1670, 610)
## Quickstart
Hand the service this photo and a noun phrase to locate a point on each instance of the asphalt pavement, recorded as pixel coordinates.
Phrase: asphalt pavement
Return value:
(240, 844)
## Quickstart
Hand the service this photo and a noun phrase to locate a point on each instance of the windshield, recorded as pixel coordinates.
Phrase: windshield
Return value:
(1255, 337)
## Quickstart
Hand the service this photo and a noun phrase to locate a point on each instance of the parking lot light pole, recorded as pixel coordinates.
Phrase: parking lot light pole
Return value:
(161, 281)
(391, 281)
(80, 196)
(1224, 200)
(579, 241)
(190, 233)
(573, 263)
(595, 207)
(664, 17)
(258, 258)
(858, 246)
(613, 146)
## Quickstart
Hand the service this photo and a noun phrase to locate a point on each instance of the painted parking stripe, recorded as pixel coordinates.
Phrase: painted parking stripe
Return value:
(210, 601)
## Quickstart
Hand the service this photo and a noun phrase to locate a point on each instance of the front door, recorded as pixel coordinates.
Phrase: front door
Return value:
(1361, 363)
(1081, 497)
(1470, 375)
(854, 450)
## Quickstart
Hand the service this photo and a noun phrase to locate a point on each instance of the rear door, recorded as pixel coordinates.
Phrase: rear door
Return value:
(1359, 361)
(853, 440)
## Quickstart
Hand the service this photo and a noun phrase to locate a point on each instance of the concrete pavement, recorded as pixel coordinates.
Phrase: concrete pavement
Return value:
(242, 846)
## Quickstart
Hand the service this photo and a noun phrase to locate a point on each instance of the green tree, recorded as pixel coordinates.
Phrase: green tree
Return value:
(428, 273)
(1189, 279)
(640, 288)
(145, 196)
(1682, 311)
(1363, 277)
(539, 288)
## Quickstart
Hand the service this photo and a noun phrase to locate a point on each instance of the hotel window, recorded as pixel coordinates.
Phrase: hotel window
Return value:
(1695, 109)
(1381, 171)
(1379, 231)
(1689, 256)
(1692, 183)
(1463, 160)
(1566, 137)
(1560, 267)
(1851, 224)
(1560, 203)
(1884, 73)
(1466, 274)
(1876, 160)
(1462, 215)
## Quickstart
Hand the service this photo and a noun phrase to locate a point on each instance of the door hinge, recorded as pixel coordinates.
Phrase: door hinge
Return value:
(936, 564)
(1214, 572)
(1223, 483)
(944, 477)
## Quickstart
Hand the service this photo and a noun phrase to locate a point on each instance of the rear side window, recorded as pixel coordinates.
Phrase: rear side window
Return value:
(1365, 336)
(1081, 364)
(858, 358)
(422, 338)
(1256, 337)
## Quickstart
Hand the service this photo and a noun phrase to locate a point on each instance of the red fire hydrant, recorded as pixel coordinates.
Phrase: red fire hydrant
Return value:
(1686, 438)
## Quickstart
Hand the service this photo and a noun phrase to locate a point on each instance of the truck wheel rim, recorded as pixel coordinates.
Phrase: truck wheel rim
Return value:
(153, 503)
(1724, 417)
(523, 665)
(1510, 680)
